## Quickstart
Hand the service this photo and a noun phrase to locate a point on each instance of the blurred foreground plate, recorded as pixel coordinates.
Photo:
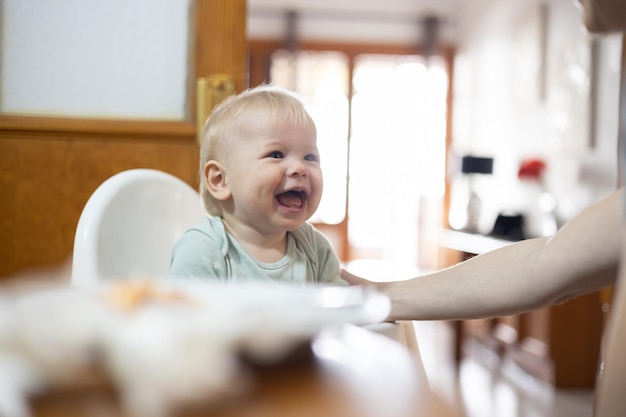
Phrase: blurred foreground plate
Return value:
(269, 319)
(261, 319)
(164, 344)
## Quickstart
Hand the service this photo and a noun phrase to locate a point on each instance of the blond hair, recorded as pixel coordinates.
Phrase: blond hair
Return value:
(227, 116)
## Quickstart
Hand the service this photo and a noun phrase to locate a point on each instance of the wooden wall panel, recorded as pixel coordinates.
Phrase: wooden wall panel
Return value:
(45, 184)
(575, 339)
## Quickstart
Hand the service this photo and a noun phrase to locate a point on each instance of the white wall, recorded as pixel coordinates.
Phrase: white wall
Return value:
(495, 115)
(350, 20)
(91, 58)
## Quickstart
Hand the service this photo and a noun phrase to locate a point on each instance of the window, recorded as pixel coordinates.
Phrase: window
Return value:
(322, 78)
(381, 118)
(397, 151)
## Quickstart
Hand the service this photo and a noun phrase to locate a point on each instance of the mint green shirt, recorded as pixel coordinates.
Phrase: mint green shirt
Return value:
(208, 251)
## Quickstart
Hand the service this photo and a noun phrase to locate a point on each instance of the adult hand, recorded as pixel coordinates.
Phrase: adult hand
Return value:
(355, 280)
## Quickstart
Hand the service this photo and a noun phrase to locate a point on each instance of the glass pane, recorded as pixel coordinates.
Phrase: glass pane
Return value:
(321, 78)
(397, 153)
(92, 58)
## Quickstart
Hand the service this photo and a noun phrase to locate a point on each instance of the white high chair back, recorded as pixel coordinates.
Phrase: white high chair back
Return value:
(129, 225)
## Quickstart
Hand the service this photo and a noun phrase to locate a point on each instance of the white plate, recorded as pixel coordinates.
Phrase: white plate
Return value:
(267, 320)
(179, 344)
(254, 316)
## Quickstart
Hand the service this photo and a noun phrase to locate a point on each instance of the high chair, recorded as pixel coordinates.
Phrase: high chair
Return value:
(129, 224)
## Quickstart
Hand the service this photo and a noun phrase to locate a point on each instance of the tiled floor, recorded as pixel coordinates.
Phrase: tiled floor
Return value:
(487, 386)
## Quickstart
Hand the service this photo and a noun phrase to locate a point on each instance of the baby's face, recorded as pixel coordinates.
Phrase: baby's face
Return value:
(602, 16)
(274, 173)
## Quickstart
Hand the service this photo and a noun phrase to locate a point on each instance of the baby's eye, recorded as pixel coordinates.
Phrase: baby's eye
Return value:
(312, 157)
(275, 154)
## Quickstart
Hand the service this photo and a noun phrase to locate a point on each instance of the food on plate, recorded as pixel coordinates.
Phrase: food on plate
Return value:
(129, 294)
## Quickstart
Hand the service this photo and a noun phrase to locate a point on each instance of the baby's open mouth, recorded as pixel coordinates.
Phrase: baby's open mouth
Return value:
(291, 199)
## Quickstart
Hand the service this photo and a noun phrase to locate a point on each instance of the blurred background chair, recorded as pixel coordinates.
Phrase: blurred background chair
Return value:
(129, 225)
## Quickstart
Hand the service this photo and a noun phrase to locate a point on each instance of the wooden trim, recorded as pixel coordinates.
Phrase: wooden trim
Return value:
(351, 48)
(52, 125)
(447, 194)
(213, 53)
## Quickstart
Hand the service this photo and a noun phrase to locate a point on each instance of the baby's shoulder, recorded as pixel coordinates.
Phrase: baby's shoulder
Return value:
(308, 234)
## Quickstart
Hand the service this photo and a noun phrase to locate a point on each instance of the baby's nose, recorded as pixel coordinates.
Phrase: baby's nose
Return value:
(297, 167)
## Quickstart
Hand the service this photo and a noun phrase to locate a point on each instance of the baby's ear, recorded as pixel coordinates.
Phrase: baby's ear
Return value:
(215, 178)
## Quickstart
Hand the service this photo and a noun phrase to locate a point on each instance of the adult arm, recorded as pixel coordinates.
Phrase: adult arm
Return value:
(581, 257)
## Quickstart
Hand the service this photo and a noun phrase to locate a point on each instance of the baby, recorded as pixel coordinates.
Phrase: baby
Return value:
(261, 181)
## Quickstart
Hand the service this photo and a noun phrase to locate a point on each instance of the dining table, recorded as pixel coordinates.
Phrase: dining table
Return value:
(344, 371)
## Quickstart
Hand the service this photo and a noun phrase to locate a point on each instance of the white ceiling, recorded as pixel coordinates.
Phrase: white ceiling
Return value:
(362, 20)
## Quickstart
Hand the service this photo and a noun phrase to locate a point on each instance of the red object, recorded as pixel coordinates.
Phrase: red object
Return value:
(531, 169)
